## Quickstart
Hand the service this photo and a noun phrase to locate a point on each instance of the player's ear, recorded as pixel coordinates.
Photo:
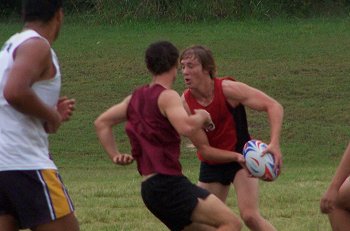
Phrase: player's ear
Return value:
(59, 16)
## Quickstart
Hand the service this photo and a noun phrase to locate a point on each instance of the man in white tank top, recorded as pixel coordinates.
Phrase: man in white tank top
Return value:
(30, 109)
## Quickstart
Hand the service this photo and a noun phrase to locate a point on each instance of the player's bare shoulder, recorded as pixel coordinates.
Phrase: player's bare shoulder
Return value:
(167, 99)
(234, 91)
(33, 58)
(168, 94)
(36, 46)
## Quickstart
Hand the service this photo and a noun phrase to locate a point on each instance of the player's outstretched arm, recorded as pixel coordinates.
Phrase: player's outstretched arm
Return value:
(237, 92)
(104, 129)
(170, 105)
(209, 153)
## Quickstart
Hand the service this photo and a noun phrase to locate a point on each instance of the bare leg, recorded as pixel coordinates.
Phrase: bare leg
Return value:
(219, 190)
(213, 212)
(340, 216)
(8, 223)
(339, 219)
(66, 223)
(247, 191)
(199, 227)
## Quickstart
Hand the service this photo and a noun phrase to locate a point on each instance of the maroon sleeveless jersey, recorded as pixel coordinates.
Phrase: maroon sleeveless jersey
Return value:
(155, 144)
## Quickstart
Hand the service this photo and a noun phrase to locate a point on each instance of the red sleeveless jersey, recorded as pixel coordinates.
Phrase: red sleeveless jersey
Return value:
(155, 144)
(224, 136)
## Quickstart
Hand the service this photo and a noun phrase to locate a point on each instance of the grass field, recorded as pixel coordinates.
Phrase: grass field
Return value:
(303, 64)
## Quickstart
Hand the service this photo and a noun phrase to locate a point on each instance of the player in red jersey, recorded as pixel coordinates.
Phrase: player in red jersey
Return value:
(154, 118)
(225, 99)
(336, 200)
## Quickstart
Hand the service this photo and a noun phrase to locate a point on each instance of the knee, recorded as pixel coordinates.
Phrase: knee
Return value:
(251, 219)
(239, 225)
(343, 207)
(232, 223)
(235, 225)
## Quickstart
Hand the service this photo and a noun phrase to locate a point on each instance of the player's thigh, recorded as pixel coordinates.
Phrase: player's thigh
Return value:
(247, 191)
(344, 195)
(218, 189)
(66, 223)
(8, 223)
(212, 211)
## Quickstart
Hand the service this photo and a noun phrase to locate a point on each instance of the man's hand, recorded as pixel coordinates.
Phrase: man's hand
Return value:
(65, 107)
(63, 112)
(123, 159)
(276, 152)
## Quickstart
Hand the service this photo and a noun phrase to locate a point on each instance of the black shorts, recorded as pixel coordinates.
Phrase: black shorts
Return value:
(221, 173)
(172, 199)
(33, 197)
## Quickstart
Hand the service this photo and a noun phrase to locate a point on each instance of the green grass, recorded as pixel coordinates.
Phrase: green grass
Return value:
(303, 64)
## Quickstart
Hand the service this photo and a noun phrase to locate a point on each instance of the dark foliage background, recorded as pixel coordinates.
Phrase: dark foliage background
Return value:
(113, 11)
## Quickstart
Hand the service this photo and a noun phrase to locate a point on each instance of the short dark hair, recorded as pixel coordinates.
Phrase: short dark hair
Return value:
(161, 56)
(40, 10)
(203, 55)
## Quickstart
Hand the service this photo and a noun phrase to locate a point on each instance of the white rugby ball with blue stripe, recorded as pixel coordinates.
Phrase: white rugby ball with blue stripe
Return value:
(259, 166)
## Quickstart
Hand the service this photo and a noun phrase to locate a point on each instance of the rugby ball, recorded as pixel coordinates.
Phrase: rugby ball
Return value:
(259, 166)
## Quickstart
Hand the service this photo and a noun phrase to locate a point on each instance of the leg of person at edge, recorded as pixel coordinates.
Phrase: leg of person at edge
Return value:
(336, 200)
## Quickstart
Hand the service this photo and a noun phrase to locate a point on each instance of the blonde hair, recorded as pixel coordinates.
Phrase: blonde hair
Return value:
(203, 55)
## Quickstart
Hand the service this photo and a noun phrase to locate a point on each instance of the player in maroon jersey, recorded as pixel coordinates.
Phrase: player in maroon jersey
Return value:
(155, 118)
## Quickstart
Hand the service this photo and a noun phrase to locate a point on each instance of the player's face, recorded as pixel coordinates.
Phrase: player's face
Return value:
(192, 71)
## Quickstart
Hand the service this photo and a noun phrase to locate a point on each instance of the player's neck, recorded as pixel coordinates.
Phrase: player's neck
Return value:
(166, 80)
(204, 93)
(42, 29)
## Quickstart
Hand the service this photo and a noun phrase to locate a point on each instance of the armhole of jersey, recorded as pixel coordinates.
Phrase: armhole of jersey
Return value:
(187, 97)
(240, 118)
(159, 110)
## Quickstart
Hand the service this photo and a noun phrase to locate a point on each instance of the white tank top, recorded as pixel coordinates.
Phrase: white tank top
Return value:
(23, 140)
